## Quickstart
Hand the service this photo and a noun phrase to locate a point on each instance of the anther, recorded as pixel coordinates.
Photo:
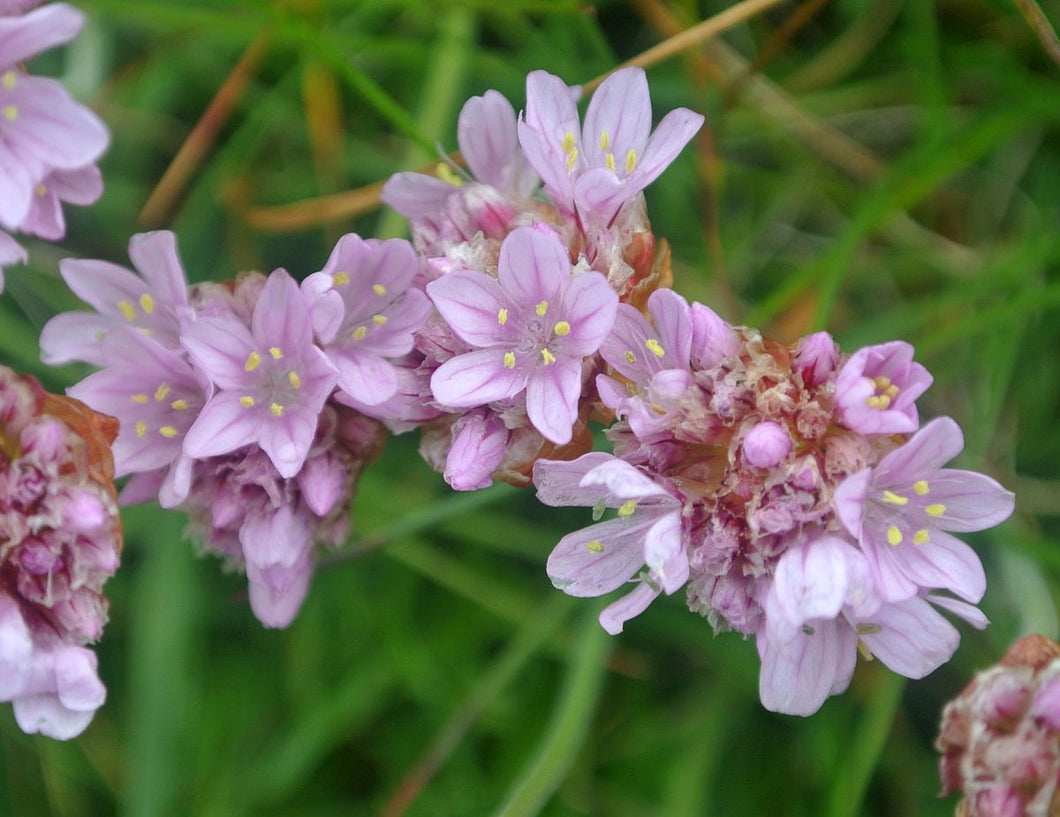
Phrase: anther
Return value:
(562, 328)
(502, 316)
(509, 360)
(276, 352)
(547, 357)
(572, 157)
(179, 405)
(9, 80)
(340, 278)
(379, 320)
(253, 361)
(630, 357)
(626, 509)
(168, 432)
(921, 537)
(894, 536)
(631, 160)
(147, 303)
(598, 510)
(894, 499)
(595, 546)
(541, 309)
(141, 428)
(379, 289)
(935, 510)
(609, 160)
(605, 140)
(161, 392)
(920, 487)
(127, 310)
(246, 401)
(359, 333)
(568, 142)
(294, 380)
(10, 112)
(139, 398)
(654, 347)
(276, 409)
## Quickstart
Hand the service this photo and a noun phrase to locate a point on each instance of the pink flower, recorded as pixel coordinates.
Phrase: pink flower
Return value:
(272, 380)
(877, 388)
(647, 532)
(598, 168)
(900, 512)
(530, 331)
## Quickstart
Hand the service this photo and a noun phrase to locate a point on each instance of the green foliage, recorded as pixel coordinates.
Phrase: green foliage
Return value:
(891, 170)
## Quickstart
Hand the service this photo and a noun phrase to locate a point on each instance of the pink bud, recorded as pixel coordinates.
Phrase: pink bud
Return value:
(766, 445)
(816, 358)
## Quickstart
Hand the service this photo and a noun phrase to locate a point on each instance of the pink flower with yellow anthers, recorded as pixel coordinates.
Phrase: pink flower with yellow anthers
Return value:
(900, 512)
(597, 168)
(877, 388)
(272, 379)
(530, 329)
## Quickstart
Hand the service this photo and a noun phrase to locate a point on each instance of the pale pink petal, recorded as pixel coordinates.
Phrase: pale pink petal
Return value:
(929, 449)
(476, 378)
(36, 31)
(810, 581)
(621, 109)
(221, 347)
(156, 258)
(280, 316)
(222, 426)
(972, 501)
(552, 394)
(416, 194)
(365, 376)
(669, 138)
(590, 305)
(533, 267)
(621, 480)
(973, 615)
(487, 137)
(631, 605)
(479, 444)
(671, 317)
(798, 674)
(664, 553)
(474, 306)
(559, 482)
(287, 439)
(913, 639)
(600, 558)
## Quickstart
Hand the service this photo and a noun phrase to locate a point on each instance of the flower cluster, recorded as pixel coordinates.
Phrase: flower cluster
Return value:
(525, 285)
(60, 540)
(791, 490)
(234, 400)
(1000, 738)
(48, 142)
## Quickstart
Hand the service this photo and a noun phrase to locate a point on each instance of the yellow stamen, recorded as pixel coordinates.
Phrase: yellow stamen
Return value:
(894, 498)
(340, 278)
(379, 289)
(626, 509)
(40, 189)
(568, 142)
(631, 160)
(161, 392)
(360, 332)
(595, 546)
(562, 328)
(572, 157)
(253, 361)
(920, 486)
(294, 380)
(10, 112)
(881, 382)
(9, 80)
(891, 391)
(379, 320)
(446, 174)
(147, 303)
(139, 398)
(509, 360)
(894, 536)
(605, 140)
(630, 357)
(654, 347)
(179, 405)
(276, 409)
(609, 160)
(246, 401)
(168, 432)
(541, 309)
(502, 316)
(863, 648)
(276, 353)
(921, 537)
(547, 357)
(128, 311)
(141, 428)
(935, 510)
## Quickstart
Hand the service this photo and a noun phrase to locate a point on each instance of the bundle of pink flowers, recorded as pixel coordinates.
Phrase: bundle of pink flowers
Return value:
(60, 540)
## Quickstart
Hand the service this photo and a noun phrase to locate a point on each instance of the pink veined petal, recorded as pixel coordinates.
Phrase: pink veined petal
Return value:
(77, 679)
(377, 272)
(74, 336)
(849, 500)
(621, 108)
(277, 608)
(476, 378)
(276, 548)
(533, 267)
(810, 581)
(487, 137)
(403, 317)
(846, 658)
(365, 376)
(44, 218)
(18, 176)
(36, 31)
(600, 558)
(672, 320)
(622, 481)
(547, 159)
(82, 186)
(156, 258)
(590, 305)
(177, 483)
(664, 553)
(220, 346)
(325, 305)
(322, 482)
(612, 393)
(798, 674)
(552, 394)
(600, 193)
(286, 439)
(943, 563)
(670, 137)
(101, 284)
(929, 449)
(415, 195)
(280, 317)
(973, 615)
(713, 339)
(631, 605)
(973, 501)
(558, 482)
(913, 639)
(51, 127)
(473, 304)
(45, 714)
(222, 426)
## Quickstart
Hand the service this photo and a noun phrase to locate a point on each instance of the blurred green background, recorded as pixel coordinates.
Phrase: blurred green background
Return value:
(880, 168)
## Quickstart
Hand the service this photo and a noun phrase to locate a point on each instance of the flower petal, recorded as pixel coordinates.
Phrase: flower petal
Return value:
(476, 378)
(631, 605)
(913, 639)
(473, 304)
(552, 394)
(600, 558)
(533, 267)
